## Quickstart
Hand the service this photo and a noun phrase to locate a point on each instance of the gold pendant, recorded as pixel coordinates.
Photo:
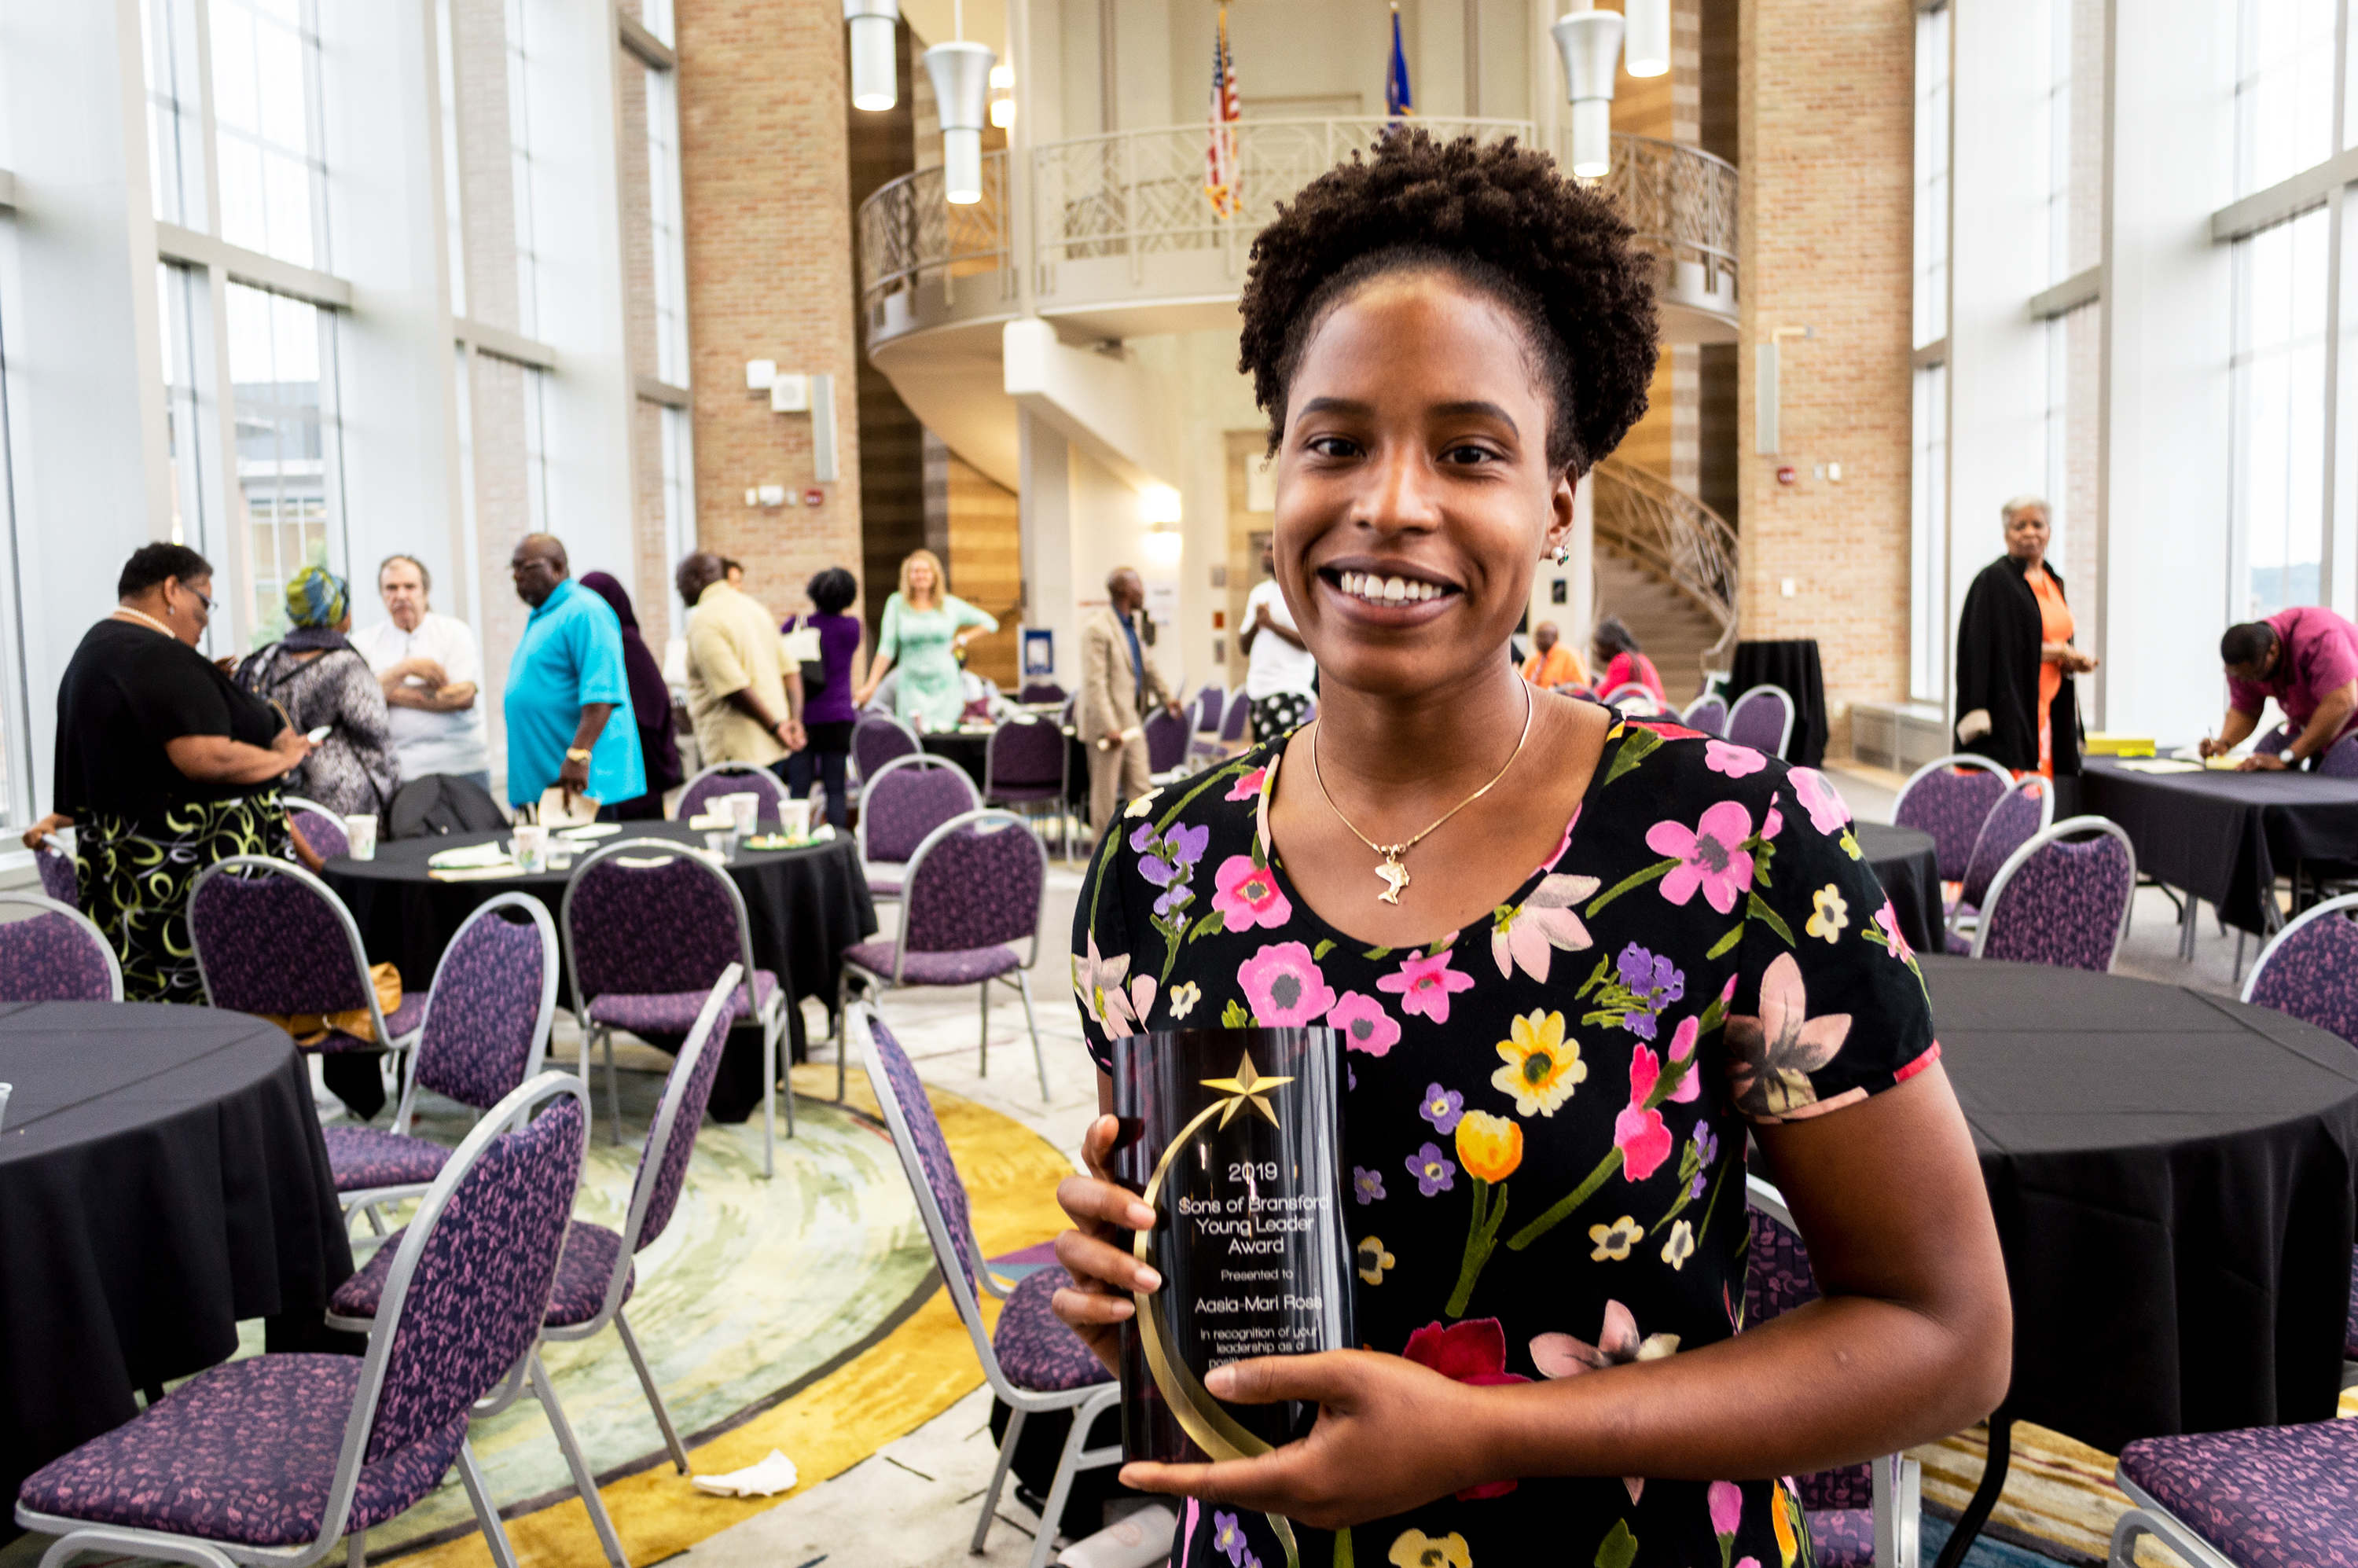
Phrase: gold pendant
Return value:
(1395, 877)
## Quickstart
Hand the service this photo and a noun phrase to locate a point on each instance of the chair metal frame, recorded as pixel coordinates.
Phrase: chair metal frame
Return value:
(1897, 1480)
(2259, 966)
(2148, 1517)
(77, 1536)
(397, 1049)
(367, 1199)
(1785, 736)
(49, 905)
(1085, 1403)
(922, 759)
(2070, 827)
(1019, 979)
(1630, 688)
(749, 770)
(773, 1021)
(1063, 780)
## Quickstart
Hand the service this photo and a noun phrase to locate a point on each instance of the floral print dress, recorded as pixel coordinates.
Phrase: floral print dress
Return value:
(1544, 1119)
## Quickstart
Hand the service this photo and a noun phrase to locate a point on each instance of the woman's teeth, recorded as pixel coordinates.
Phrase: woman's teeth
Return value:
(1388, 589)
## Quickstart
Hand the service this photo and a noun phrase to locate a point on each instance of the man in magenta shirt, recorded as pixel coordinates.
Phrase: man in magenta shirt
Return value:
(2305, 658)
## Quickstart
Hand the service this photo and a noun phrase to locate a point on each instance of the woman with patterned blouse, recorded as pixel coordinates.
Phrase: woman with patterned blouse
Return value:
(1562, 1003)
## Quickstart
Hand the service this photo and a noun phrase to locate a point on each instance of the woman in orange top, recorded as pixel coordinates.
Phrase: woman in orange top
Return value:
(2015, 658)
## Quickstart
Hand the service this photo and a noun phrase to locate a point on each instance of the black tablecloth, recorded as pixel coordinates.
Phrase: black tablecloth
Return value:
(1907, 861)
(804, 908)
(968, 751)
(2172, 1176)
(1792, 664)
(2225, 837)
(162, 1176)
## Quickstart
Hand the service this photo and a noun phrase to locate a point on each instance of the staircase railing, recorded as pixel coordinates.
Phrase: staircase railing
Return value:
(1644, 518)
(911, 235)
(1680, 200)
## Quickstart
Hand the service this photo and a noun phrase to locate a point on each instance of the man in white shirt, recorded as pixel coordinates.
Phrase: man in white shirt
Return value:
(1277, 680)
(430, 668)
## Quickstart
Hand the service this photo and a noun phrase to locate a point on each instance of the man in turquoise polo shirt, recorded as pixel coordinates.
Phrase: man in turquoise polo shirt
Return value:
(565, 680)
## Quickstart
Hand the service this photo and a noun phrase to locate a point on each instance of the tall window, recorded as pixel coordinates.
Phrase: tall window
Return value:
(2076, 115)
(182, 299)
(266, 65)
(2284, 90)
(1931, 176)
(454, 205)
(176, 147)
(520, 170)
(670, 251)
(282, 359)
(2279, 381)
(1928, 557)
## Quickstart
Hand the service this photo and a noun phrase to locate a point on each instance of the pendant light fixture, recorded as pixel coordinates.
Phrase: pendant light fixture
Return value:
(1590, 41)
(961, 73)
(875, 63)
(1648, 49)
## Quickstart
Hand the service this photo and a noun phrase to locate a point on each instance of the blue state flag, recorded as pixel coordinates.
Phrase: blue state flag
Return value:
(1399, 102)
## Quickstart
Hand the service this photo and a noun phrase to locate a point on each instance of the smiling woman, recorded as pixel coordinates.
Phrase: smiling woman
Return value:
(1571, 959)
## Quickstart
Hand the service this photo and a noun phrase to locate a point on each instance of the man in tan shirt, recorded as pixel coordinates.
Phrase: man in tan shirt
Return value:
(746, 704)
(1117, 679)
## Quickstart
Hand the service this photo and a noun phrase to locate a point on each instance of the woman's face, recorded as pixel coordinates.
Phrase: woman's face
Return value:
(921, 578)
(1414, 456)
(190, 607)
(2026, 534)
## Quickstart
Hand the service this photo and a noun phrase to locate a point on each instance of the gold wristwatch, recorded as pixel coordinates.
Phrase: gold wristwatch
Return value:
(576, 754)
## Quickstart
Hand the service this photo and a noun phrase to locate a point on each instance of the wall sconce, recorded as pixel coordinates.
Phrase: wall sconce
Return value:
(1590, 41)
(1002, 95)
(875, 55)
(1647, 50)
(961, 73)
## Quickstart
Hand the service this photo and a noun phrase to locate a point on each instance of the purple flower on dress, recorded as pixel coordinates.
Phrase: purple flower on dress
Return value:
(1657, 982)
(1229, 1539)
(1435, 1171)
(1442, 1108)
(1169, 862)
(1367, 1185)
(1706, 1146)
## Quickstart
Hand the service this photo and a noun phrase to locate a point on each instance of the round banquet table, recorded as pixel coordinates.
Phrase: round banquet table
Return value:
(2172, 1175)
(969, 749)
(1907, 861)
(162, 1176)
(802, 908)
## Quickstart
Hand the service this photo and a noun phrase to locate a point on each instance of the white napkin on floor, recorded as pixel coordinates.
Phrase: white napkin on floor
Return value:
(773, 1474)
(1135, 1541)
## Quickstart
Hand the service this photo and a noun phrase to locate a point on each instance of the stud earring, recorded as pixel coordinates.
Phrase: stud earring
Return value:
(1561, 555)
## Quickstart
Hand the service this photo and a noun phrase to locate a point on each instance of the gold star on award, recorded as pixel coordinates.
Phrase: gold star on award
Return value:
(1248, 1088)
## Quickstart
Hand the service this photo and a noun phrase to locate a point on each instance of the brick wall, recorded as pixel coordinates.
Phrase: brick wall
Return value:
(1826, 128)
(763, 101)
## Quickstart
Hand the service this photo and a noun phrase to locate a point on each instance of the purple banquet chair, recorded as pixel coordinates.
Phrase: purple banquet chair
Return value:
(2341, 759)
(902, 802)
(597, 1274)
(2061, 902)
(351, 1441)
(2275, 1497)
(1860, 1516)
(485, 1031)
(731, 778)
(975, 886)
(59, 879)
(322, 829)
(1950, 797)
(1166, 740)
(1041, 691)
(1762, 719)
(1025, 764)
(1211, 706)
(2274, 742)
(1232, 725)
(878, 738)
(2309, 970)
(274, 939)
(54, 954)
(648, 926)
(1032, 1362)
(2023, 810)
(1708, 713)
(1636, 692)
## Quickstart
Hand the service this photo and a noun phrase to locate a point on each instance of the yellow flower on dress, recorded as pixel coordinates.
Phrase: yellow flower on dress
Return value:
(1143, 805)
(1849, 842)
(1832, 916)
(1680, 1247)
(1186, 994)
(1542, 1066)
(1489, 1146)
(1414, 1548)
(1614, 1241)
(1373, 1260)
(1780, 1515)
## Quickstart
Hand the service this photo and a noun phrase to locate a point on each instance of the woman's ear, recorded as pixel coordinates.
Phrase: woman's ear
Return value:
(1560, 511)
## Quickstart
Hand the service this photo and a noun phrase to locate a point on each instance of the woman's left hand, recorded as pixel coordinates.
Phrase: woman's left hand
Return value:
(1390, 1435)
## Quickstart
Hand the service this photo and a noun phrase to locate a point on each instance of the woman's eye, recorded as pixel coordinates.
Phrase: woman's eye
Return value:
(1468, 453)
(1334, 446)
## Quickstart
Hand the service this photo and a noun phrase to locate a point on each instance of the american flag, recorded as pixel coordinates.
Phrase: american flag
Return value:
(1220, 181)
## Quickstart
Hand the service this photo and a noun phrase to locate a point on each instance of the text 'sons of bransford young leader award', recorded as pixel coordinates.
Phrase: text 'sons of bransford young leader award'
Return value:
(1235, 1137)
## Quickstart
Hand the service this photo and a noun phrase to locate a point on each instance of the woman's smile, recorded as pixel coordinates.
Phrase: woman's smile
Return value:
(1378, 592)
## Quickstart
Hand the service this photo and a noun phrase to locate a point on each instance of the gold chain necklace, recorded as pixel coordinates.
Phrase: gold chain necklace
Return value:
(1394, 873)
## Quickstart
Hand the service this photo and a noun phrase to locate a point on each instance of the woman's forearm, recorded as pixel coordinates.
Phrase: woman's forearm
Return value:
(217, 759)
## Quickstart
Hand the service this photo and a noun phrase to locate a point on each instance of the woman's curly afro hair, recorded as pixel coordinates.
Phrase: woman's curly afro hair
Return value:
(1505, 220)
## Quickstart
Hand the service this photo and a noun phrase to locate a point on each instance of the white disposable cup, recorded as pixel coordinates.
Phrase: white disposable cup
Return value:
(362, 830)
(723, 844)
(6, 1089)
(794, 818)
(744, 812)
(531, 847)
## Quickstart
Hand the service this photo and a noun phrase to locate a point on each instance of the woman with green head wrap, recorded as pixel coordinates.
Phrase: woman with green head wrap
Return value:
(321, 679)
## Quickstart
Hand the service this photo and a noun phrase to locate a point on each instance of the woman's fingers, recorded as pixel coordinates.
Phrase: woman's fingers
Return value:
(1265, 1483)
(1091, 1309)
(1087, 1257)
(1321, 1378)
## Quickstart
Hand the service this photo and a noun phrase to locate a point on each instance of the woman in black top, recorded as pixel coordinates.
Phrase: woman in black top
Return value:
(2016, 704)
(650, 708)
(163, 767)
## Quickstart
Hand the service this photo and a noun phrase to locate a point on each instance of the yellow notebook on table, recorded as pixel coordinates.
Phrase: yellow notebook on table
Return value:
(2103, 745)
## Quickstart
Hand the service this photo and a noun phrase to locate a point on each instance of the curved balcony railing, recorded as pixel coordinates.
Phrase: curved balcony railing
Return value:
(910, 235)
(1678, 539)
(1681, 202)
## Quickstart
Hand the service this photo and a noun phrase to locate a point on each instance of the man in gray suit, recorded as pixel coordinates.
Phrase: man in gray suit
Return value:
(1117, 679)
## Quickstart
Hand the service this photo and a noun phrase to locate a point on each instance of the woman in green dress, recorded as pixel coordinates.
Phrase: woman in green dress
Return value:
(925, 628)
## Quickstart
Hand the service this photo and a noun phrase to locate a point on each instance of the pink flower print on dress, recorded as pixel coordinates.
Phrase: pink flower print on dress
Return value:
(1888, 918)
(1248, 895)
(1247, 786)
(1736, 761)
(1642, 1135)
(1828, 810)
(1682, 1045)
(1097, 980)
(1527, 933)
(1709, 856)
(1561, 844)
(1561, 1356)
(1770, 1057)
(1773, 824)
(1424, 985)
(1364, 1024)
(1283, 987)
(1725, 1501)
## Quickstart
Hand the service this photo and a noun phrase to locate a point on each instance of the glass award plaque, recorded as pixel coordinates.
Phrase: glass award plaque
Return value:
(1235, 1136)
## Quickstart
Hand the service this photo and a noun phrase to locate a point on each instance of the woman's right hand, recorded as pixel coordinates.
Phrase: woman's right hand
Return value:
(290, 745)
(44, 827)
(1096, 1251)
